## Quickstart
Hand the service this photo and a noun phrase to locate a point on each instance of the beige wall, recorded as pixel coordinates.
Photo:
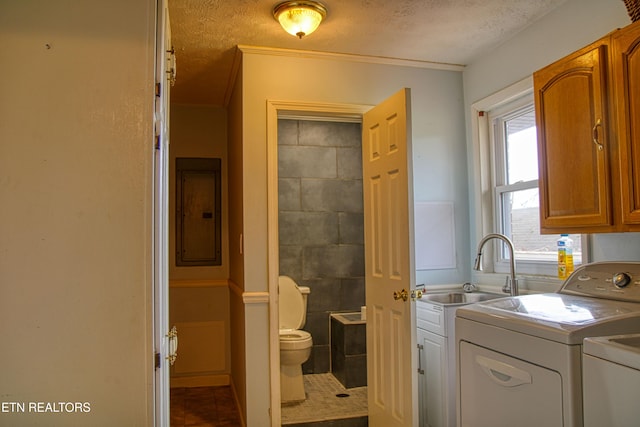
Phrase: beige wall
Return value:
(200, 312)
(236, 254)
(76, 152)
(199, 296)
(198, 131)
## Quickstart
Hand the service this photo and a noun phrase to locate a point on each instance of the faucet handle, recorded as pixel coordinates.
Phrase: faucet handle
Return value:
(507, 285)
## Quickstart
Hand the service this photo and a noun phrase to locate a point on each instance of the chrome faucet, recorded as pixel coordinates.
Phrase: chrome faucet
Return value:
(512, 283)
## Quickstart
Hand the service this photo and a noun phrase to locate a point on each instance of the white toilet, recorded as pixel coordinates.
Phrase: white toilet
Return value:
(295, 344)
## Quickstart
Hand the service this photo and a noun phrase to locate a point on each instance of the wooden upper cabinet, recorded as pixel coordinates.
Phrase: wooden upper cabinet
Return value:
(588, 123)
(626, 79)
(571, 120)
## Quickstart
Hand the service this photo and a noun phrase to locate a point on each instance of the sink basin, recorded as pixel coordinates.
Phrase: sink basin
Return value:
(446, 298)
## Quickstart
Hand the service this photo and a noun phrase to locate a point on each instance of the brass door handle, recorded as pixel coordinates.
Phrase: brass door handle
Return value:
(403, 295)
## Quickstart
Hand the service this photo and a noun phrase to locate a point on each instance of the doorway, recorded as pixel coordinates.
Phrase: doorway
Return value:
(336, 115)
(321, 246)
(199, 295)
(388, 236)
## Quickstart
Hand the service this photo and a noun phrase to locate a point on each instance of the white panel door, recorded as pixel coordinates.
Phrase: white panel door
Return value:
(160, 222)
(389, 264)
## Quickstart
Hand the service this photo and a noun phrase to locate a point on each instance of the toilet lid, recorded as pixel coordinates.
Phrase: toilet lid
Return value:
(291, 304)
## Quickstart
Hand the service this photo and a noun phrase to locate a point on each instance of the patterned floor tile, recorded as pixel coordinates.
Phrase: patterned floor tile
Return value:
(326, 400)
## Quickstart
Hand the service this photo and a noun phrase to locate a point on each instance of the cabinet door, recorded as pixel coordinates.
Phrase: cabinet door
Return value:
(433, 394)
(422, 380)
(571, 119)
(626, 77)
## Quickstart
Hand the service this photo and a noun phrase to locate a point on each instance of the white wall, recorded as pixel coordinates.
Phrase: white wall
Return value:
(439, 152)
(76, 151)
(572, 26)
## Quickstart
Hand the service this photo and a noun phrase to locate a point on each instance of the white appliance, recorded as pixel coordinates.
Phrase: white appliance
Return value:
(611, 381)
(519, 359)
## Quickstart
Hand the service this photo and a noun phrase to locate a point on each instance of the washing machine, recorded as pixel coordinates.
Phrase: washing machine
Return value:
(611, 381)
(519, 359)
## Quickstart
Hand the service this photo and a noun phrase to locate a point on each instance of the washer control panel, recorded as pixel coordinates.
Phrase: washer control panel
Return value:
(610, 280)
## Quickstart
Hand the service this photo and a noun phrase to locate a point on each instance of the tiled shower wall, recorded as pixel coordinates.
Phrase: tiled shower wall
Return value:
(321, 222)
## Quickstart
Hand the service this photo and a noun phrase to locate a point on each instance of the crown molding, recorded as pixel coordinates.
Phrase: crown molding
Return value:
(310, 54)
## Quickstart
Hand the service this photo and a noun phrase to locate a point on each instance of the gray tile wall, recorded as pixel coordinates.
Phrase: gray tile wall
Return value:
(321, 222)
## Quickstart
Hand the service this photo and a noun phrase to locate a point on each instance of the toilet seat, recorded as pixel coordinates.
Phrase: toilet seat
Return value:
(294, 339)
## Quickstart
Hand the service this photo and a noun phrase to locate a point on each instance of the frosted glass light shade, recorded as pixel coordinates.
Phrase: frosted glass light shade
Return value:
(299, 18)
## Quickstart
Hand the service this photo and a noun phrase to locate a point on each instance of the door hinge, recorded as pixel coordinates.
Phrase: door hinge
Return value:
(157, 142)
(158, 89)
(157, 358)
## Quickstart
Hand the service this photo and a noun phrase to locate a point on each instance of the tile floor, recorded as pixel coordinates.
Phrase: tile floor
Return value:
(324, 406)
(203, 407)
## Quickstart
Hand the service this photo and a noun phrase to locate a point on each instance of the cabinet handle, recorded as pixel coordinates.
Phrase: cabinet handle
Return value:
(595, 134)
(420, 370)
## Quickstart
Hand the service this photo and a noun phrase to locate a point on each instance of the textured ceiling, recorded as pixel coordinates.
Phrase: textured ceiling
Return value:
(205, 34)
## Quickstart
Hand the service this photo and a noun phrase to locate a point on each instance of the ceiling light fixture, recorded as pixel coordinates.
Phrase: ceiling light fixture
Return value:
(299, 18)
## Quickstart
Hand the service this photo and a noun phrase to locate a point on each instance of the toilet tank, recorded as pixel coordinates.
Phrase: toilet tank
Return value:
(292, 303)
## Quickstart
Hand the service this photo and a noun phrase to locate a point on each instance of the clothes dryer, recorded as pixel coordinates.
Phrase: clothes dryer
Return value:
(519, 359)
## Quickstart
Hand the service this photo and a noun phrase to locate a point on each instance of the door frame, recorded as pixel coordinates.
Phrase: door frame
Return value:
(328, 112)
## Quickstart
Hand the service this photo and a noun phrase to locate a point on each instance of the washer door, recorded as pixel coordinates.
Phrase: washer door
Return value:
(498, 390)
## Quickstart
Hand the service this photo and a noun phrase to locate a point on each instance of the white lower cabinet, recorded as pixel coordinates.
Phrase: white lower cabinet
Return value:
(433, 376)
(436, 375)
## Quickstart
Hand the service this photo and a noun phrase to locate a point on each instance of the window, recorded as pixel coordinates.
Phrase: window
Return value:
(512, 166)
